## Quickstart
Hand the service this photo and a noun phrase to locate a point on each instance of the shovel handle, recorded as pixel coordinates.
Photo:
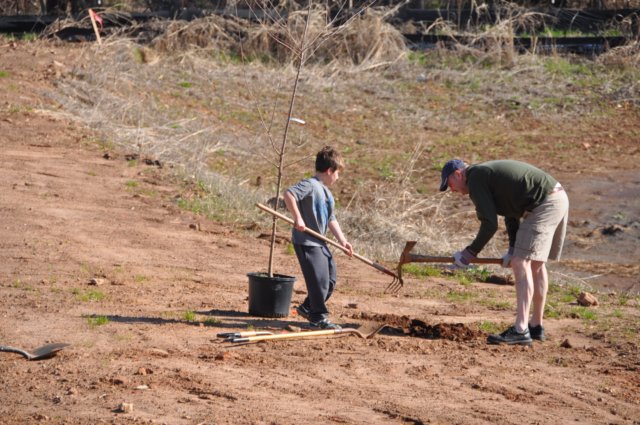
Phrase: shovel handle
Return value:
(315, 234)
(287, 335)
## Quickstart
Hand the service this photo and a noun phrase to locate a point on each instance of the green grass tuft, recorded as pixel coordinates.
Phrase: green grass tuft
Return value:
(189, 316)
(97, 321)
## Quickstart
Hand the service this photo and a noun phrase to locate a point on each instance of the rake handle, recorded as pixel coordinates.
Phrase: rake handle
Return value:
(431, 259)
(327, 240)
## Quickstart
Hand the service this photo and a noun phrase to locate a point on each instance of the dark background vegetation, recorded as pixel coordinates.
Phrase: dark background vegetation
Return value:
(72, 7)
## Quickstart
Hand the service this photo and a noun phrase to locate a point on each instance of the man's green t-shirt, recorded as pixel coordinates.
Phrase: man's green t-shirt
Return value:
(507, 188)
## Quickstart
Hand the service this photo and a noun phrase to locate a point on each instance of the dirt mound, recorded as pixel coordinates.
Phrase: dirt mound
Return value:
(420, 329)
(450, 331)
(391, 320)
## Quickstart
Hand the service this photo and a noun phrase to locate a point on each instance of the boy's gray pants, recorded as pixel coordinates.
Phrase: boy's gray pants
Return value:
(319, 271)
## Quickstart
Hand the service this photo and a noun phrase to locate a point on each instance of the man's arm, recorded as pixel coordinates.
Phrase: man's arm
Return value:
(512, 224)
(486, 213)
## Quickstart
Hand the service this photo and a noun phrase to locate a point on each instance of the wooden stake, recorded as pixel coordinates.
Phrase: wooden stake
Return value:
(95, 26)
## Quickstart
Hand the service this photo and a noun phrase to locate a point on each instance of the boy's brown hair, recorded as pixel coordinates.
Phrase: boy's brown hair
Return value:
(329, 158)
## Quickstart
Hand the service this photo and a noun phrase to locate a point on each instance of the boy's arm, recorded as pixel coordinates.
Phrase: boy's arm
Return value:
(292, 206)
(334, 226)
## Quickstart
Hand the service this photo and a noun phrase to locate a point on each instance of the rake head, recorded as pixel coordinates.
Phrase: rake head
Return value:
(396, 284)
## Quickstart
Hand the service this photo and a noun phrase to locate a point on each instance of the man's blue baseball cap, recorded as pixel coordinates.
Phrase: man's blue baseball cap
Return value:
(450, 167)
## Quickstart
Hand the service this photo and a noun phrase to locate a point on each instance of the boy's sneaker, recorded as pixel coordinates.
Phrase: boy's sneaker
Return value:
(537, 332)
(325, 324)
(303, 312)
(511, 336)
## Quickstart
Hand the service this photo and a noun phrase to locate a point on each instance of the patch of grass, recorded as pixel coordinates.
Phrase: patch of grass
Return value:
(583, 313)
(87, 296)
(418, 58)
(460, 296)
(139, 278)
(564, 294)
(18, 284)
(86, 269)
(211, 321)
(189, 316)
(472, 274)
(552, 310)
(418, 270)
(131, 184)
(138, 55)
(494, 304)
(385, 172)
(490, 327)
(4, 74)
(94, 321)
(185, 84)
(564, 68)
(290, 249)
(617, 313)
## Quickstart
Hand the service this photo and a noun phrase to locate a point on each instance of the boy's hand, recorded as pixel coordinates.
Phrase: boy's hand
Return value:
(299, 224)
(348, 246)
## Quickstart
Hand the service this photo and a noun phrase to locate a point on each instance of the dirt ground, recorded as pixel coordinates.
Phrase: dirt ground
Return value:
(81, 242)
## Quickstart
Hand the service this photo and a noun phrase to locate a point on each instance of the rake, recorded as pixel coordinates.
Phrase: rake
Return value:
(395, 284)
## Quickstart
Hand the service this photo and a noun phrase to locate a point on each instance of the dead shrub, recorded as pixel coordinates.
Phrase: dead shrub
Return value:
(211, 32)
(622, 56)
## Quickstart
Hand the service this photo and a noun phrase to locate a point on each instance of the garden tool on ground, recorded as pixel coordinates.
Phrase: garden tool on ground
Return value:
(311, 334)
(39, 353)
(408, 257)
(228, 336)
(395, 284)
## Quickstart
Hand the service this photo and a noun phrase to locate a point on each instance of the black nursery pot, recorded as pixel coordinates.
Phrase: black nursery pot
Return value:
(270, 296)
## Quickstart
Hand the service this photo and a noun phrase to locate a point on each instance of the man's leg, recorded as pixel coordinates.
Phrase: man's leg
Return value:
(524, 291)
(540, 287)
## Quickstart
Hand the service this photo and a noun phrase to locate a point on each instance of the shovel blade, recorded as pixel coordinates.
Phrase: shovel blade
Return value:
(39, 353)
(47, 351)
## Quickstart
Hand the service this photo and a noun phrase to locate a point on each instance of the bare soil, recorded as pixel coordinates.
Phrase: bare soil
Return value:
(80, 242)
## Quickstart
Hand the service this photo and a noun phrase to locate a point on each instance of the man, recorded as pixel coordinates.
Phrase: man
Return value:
(535, 210)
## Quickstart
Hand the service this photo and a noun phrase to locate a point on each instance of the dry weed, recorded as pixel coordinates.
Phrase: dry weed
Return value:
(177, 100)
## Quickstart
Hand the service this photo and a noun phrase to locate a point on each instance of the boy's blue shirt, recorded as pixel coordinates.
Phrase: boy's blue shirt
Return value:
(316, 205)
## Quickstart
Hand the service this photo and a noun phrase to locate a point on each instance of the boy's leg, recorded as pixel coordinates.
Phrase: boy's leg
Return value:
(332, 274)
(317, 277)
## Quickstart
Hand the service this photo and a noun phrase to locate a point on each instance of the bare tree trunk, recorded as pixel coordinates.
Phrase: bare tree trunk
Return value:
(301, 53)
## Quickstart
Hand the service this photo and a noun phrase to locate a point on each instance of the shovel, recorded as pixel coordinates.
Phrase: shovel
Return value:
(39, 353)
(311, 334)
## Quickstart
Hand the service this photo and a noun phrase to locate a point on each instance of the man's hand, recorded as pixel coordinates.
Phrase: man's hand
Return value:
(506, 258)
(462, 259)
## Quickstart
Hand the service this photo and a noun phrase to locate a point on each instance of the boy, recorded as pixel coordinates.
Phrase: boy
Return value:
(312, 205)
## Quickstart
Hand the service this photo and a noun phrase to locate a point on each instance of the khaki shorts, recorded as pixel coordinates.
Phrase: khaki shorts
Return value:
(541, 233)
